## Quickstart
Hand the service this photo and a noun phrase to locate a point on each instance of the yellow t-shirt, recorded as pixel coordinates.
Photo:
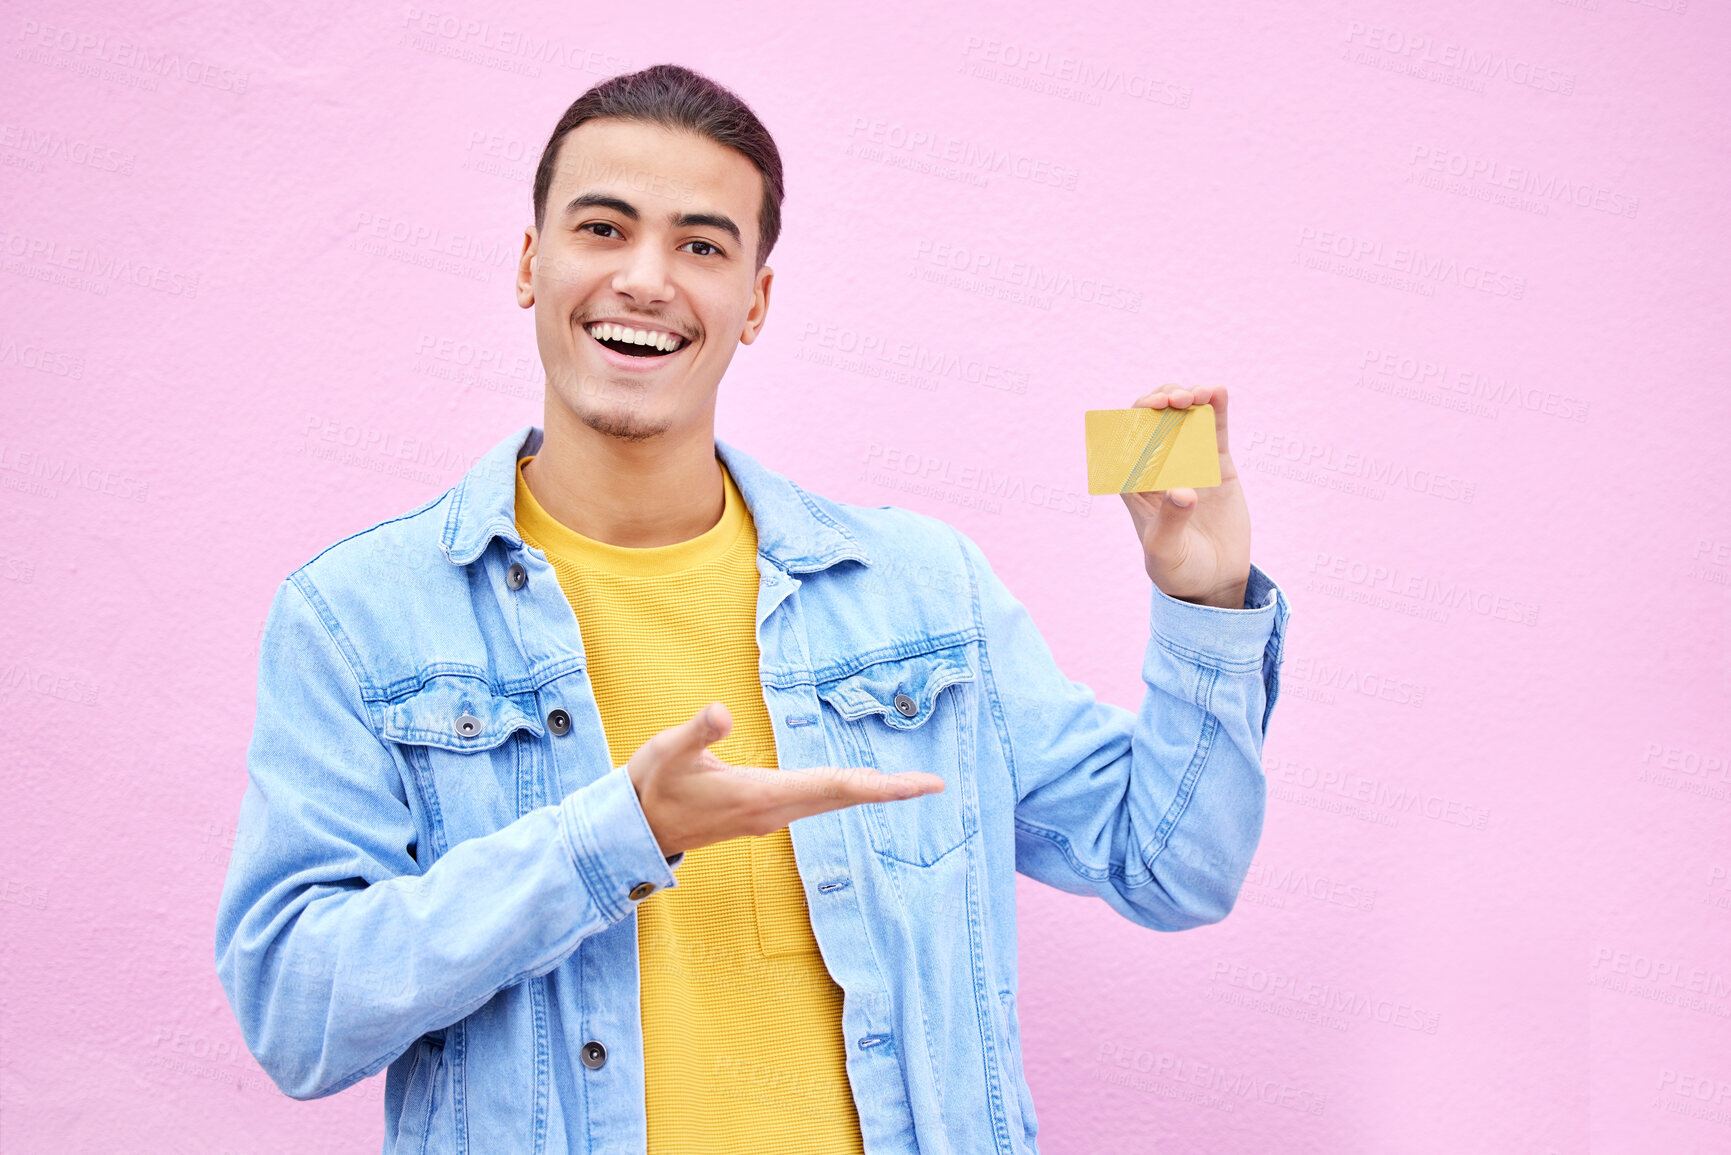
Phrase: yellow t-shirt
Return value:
(742, 1038)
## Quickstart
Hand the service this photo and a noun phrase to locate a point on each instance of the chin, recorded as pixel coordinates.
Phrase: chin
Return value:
(622, 422)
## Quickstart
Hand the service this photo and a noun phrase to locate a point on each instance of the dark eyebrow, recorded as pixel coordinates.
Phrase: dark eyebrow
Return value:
(713, 220)
(601, 201)
(629, 211)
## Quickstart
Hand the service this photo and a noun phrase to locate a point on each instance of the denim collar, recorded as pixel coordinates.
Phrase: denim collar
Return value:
(792, 532)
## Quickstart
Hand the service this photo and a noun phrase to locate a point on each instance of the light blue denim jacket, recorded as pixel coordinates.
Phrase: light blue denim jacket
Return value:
(430, 879)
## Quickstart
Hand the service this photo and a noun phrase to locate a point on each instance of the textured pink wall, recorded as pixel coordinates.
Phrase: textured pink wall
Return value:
(1463, 271)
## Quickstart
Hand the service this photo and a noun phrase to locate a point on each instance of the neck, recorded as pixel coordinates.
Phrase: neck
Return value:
(637, 494)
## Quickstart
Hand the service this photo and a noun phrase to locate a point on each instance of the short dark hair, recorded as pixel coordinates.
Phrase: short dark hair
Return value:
(676, 97)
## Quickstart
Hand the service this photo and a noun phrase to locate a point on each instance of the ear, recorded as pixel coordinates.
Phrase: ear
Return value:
(526, 267)
(759, 306)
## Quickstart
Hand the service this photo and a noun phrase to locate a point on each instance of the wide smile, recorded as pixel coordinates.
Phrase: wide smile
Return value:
(634, 347)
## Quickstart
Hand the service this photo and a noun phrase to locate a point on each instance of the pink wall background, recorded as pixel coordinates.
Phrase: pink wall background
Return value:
(1463, 271)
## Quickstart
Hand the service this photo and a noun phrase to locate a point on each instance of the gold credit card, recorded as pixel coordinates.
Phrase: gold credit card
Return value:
(1141, 449)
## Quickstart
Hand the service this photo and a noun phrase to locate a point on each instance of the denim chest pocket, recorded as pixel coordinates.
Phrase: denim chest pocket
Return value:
(470, 753)
(912, 713)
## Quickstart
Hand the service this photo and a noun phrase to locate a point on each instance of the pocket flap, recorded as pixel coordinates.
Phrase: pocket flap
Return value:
(460, 714)
(876, 688)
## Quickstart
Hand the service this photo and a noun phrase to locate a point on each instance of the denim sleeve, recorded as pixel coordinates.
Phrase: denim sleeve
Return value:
(335, 948)
(1157, 812)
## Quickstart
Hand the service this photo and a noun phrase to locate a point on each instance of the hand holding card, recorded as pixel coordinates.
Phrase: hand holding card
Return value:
(1167, 459)
(1140, 450)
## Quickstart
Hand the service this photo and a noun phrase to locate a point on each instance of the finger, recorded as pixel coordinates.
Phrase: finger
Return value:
(1162, 397)
(863, 785)
(1217, 399)
(850, 785)
(1172, 396)
(789, 795)
(914, 784)
(691, 737)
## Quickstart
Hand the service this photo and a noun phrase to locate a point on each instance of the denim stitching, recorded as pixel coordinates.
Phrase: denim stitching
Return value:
(987, 678)
(1192, 773)
(987, 1025)
(1208, 661)
(583, 861)
(316, 602)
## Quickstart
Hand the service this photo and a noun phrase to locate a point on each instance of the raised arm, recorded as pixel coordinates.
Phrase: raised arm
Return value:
(1159, 812)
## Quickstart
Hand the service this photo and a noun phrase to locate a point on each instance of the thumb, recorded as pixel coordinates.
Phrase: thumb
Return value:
(1175, 508)
(686, 740)
(710, 724)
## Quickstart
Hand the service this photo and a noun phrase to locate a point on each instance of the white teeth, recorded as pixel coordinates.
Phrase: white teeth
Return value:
(607, 331)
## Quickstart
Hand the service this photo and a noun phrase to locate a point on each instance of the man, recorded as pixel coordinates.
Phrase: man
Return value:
(628, 796)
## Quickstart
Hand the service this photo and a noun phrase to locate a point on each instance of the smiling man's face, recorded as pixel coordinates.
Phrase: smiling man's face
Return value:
(643, 276)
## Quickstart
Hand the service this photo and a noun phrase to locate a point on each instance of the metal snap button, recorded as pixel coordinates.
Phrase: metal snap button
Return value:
(516, 577)
(642, 891)
(594, 1055)
(906, 706)
(468, 725)
(559, 722)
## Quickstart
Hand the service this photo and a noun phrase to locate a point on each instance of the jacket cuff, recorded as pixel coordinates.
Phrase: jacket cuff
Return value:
(611, 843)
(1223, 637)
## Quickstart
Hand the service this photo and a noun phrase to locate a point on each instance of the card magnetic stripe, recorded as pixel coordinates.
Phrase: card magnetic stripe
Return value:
(1159, 446)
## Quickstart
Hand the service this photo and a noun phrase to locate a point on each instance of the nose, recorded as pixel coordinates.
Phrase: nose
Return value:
(644, 275)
